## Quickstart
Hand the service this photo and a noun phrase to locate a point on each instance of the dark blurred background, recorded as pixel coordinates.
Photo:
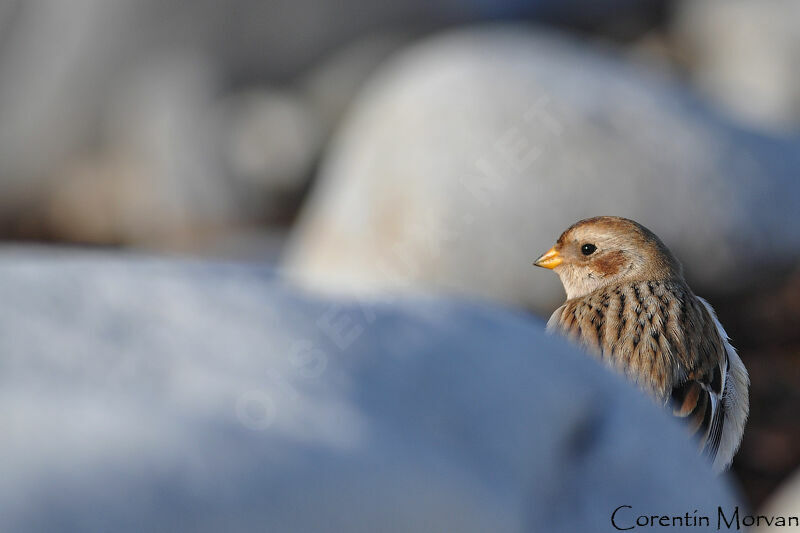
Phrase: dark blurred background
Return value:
(200, 127)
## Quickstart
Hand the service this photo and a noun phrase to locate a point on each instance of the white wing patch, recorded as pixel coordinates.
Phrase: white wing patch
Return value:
(735, 399)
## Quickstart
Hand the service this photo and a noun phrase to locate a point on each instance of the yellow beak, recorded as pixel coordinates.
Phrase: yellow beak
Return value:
(550, 259)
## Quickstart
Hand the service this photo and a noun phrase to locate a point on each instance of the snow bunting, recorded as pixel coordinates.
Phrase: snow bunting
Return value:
(628, 304)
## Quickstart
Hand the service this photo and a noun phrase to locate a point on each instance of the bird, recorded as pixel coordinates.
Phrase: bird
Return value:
(629, 305)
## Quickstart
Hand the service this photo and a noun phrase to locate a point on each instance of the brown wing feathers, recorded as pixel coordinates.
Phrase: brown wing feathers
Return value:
(644, 329)
(700, 406)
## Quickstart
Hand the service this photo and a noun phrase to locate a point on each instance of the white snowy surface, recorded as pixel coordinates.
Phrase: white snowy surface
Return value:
(468, 154)
(160, 395)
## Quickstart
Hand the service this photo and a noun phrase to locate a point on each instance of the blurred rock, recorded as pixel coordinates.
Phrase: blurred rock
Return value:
(59, 93)
(272, 140)
(786, 502)
(179, 162)
(331, 85)
(176, 396)
(744, 55)
(158, 176)
(54, 72)
(468, 154)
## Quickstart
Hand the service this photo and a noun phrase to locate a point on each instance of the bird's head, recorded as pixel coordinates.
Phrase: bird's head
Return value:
(601, 251)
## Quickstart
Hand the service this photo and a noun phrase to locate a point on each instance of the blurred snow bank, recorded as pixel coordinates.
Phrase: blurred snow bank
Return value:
(145, 395)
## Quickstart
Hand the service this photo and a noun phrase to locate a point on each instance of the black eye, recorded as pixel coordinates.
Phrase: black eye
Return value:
(588, 249)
